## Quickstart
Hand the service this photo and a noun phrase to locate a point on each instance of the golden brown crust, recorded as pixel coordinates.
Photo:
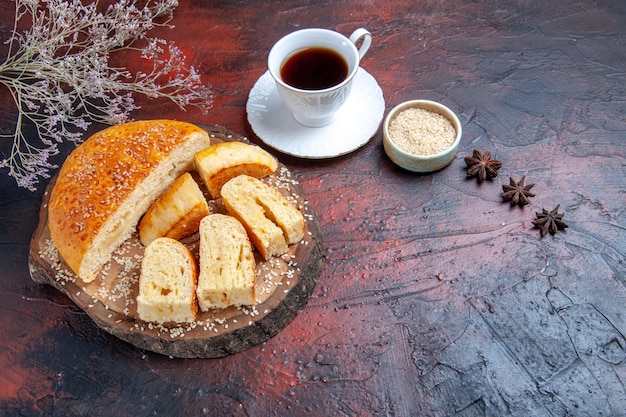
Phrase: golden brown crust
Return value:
(176, 213)
(221, 162)
(101, 174)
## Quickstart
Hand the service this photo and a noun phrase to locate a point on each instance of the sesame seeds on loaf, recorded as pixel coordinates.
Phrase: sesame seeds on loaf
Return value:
(271, 221)
(223, 161)
(176, 213)
(108, 183)
(167, 284)
(226, 264)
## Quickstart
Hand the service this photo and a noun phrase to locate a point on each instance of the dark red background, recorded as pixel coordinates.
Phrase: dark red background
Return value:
(436, 299)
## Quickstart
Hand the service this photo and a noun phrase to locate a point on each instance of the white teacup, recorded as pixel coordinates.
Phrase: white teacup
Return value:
(317, 107)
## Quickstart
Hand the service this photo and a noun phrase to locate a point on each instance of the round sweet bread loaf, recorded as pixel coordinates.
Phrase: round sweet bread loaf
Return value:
(107, 184)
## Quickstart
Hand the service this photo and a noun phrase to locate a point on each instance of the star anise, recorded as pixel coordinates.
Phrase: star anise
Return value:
(517, 192)
(482, 166)
(549, 221)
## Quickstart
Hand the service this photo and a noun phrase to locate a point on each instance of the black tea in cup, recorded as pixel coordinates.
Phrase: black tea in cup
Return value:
(315, 68)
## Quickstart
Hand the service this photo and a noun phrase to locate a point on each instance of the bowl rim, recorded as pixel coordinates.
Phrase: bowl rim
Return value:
(427, 105)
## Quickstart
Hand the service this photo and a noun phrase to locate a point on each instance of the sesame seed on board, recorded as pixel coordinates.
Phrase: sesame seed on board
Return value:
(116, 287)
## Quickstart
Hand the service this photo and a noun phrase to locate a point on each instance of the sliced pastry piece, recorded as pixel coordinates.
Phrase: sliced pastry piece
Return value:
(272, 222)
(176, 213)
(167, 284)
(226, 264)
(222, 161)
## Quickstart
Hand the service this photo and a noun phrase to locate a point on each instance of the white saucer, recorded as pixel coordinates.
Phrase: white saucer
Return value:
(356, 122)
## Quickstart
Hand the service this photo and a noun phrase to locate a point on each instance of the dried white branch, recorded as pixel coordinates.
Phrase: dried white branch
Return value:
(61, 77)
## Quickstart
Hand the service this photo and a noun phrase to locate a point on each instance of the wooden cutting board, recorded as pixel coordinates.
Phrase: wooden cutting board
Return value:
(283, 284)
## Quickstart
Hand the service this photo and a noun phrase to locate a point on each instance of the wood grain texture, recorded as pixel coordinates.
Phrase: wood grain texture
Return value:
(436, 298)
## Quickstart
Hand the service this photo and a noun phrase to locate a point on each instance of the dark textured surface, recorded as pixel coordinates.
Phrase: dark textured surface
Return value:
(436, 298)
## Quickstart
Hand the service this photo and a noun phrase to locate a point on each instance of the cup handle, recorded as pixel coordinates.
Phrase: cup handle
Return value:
(367, 40)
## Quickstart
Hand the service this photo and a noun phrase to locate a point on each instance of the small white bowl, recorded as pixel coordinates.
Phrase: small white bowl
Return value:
(421, 163)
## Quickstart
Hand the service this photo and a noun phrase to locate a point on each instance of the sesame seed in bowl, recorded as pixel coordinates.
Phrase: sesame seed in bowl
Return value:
(421, 135)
